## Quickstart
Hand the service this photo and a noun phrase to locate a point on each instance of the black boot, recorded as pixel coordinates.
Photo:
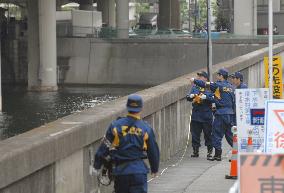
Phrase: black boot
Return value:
(209, 153)
(195, 152)
(217, 156)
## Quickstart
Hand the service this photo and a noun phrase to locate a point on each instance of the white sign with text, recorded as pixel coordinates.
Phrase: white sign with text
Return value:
(250, 111)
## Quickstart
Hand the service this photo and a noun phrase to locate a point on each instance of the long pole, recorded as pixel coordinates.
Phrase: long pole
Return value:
(270, 32)
(189, 12)
(0, 77)
(195, 13)
(209, 41)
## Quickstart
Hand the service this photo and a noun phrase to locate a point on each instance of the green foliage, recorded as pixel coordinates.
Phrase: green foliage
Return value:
(222, 22)
(141, 8)
(202, 10)
(183, 11)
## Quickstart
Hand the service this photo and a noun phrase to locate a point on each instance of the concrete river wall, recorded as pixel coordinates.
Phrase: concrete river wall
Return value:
(54, 158)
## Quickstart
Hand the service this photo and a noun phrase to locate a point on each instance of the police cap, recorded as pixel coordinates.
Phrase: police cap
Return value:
(223, 72)
(237, 75)
(203, 73)
(134, 103)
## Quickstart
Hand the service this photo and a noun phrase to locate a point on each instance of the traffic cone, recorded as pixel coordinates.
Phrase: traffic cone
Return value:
(234, 161)
(249, 145)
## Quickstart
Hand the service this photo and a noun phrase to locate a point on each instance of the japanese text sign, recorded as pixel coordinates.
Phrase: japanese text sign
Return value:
(261, 173)
(250, 113)
(277, 76)
(274, 126)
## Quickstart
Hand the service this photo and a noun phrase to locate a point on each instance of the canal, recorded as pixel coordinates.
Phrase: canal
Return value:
(23, 111)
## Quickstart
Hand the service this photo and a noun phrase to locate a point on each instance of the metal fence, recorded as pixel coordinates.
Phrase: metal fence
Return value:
(67, 30)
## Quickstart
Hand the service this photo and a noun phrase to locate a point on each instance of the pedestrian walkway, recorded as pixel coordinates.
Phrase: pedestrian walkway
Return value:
(193, 175)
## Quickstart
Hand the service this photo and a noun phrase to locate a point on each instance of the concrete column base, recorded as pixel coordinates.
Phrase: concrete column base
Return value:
(122, 18)
(43, 88)
(169, 14)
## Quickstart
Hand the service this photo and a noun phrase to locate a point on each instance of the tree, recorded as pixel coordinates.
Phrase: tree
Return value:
(141, 8)
(183, 11)
(202, 6)
(222, 22)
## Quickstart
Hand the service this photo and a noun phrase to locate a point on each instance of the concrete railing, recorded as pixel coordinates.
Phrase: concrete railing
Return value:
(54, 158)
(141, 62)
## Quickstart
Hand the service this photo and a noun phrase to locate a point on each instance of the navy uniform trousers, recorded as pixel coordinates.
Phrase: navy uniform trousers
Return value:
(196, 128)
(222, 125)
(135, 183)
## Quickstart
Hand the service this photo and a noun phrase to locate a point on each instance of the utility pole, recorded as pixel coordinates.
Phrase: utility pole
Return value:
(189, 15)
(209, 41)
(270, 60)
(0, 77)
(195, 13)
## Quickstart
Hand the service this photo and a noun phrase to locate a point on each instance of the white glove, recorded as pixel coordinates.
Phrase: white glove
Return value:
(192, 79)
(203, 97)
(94, 172)
(191, 95)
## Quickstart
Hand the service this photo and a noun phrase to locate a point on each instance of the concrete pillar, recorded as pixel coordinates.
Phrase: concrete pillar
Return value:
(47, 44)
(107, 7)
(86, 5)
(169, 14)
(42, 75)
(122, 18)
(33, 44)
(244, 17)
(58, 6)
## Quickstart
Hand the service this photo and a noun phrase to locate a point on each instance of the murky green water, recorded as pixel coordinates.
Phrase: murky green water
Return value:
(24, 110)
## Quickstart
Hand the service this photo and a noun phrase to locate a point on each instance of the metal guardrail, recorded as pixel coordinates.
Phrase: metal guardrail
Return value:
(67, 30)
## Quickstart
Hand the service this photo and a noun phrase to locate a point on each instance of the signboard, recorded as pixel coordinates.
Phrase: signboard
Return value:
(274, 126)
(250, 116)
(277, 76)
(261, 173)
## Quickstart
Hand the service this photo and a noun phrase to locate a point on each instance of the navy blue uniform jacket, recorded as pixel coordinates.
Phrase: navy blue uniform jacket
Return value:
(224, 96)
(201, 111)
(133, 140)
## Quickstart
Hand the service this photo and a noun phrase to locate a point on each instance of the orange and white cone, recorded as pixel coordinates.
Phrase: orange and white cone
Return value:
(234, 161)
(249, 145)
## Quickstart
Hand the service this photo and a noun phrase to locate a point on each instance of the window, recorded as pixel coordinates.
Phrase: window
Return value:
(282, 5)
(262, 5)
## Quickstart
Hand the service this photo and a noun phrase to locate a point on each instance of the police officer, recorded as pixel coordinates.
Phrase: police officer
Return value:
(237, 80)
(132, 140)
(224, 99)
(201, 117)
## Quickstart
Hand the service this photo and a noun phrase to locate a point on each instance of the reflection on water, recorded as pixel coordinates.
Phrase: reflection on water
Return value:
(23, 110)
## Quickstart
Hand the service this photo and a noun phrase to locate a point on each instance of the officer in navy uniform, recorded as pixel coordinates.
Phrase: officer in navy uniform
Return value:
(224, 99)
(132, 140)
(237, 80)
(201, 117)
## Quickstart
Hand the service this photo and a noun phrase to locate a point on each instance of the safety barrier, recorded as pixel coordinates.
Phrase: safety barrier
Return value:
(234, 160)
(234, 188)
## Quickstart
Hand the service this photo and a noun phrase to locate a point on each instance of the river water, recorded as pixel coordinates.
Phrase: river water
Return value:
(23, 111)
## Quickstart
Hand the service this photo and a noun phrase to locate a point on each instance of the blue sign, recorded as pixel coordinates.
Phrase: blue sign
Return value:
(257, 116)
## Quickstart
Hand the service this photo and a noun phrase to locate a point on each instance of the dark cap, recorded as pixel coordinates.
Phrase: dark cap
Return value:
(134, 103)
(223, 72)
(237, 75)
(203, 73)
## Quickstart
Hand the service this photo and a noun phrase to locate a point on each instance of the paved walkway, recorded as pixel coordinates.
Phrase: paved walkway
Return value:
(193, 175)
